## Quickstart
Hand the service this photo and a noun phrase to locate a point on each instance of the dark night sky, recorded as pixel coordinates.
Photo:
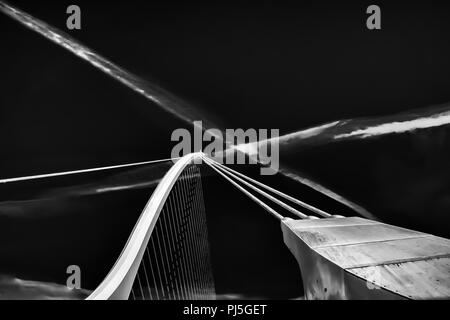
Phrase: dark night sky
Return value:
(256, 65)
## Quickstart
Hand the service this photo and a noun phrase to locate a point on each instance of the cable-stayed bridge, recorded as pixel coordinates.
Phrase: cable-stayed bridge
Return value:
(167, 254)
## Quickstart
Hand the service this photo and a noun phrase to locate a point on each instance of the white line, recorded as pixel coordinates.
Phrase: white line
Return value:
(281, 194)
(261, 192)
(66, 173)
(247, 193)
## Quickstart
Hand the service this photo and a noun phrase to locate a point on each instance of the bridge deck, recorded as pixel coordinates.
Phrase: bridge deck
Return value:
(402, 262)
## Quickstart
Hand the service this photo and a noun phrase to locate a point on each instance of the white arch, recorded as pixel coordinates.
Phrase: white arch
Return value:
(119, 281)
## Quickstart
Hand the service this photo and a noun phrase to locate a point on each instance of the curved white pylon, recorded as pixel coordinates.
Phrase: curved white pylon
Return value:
(119, 281)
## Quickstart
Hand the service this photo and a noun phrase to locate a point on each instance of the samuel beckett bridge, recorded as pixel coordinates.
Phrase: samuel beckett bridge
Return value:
(167, 255)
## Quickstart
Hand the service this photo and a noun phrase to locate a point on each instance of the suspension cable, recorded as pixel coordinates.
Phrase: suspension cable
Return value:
(65, 173)
(261, 192)
(279, 193)
(247, 193)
